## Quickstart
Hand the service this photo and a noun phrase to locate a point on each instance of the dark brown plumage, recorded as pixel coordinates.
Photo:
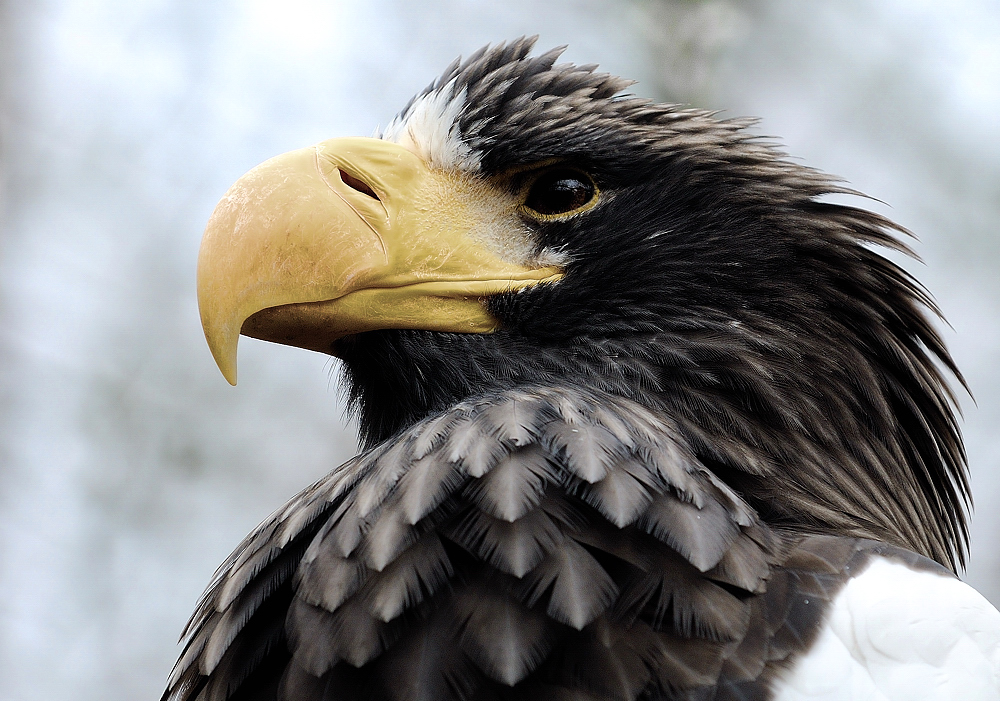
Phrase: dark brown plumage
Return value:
(542, 539)
(652, 478)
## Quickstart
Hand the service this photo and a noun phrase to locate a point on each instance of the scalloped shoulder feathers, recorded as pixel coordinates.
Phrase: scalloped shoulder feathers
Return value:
(541, 542)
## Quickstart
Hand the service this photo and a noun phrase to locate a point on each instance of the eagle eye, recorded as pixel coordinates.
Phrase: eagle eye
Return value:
(559, 192)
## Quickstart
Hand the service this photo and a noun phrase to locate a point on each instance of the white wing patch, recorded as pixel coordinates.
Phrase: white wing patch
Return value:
(429, 128)
(895, 634)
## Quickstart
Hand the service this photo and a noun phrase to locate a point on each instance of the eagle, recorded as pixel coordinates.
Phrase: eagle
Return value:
(645, 416)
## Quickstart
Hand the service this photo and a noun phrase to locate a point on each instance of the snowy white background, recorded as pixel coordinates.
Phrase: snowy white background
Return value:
(129, 468)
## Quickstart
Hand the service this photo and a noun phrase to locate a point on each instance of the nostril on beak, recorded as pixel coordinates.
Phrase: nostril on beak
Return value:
(357, 184)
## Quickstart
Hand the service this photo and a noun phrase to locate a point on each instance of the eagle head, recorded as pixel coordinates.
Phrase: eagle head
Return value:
(523, 222)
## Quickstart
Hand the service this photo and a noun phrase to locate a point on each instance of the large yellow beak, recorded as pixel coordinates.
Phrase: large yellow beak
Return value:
(295, 255)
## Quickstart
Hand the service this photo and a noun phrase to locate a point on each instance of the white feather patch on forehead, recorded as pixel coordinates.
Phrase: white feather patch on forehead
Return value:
(429, 128)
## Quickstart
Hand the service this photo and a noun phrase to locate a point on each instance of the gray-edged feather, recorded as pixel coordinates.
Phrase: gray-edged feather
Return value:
(524, 575)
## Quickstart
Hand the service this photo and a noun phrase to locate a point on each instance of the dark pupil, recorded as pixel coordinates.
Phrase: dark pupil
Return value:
(559, 191)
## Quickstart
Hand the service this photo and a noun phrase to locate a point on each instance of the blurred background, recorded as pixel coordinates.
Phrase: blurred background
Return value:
(129, 468)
